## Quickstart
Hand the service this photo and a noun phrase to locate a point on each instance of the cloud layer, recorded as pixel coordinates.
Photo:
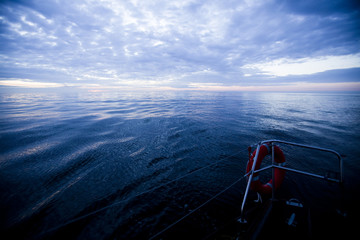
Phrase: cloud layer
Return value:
(178, 44)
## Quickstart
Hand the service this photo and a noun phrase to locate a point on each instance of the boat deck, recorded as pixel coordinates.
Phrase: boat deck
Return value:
(280, 219)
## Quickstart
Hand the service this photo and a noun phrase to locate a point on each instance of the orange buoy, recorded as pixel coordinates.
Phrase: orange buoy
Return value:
(279, 174)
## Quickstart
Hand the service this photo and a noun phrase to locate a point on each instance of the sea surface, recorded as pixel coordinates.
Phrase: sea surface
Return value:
(126, 165)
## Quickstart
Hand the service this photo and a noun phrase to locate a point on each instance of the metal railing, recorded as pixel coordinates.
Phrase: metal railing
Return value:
(251, 173)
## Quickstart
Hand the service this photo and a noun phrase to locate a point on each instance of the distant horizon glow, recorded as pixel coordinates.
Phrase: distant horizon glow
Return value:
(293, 87)
(270, 45)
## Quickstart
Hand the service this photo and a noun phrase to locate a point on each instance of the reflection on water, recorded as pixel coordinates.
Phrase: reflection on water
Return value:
(64, 155)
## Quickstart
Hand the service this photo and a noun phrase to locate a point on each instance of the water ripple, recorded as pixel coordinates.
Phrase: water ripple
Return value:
(66, 155)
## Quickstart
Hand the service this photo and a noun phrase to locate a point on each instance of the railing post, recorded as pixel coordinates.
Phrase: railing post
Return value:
(242, 219)
(273, 171)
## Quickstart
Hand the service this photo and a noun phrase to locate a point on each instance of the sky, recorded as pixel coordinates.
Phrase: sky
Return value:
(275, 45)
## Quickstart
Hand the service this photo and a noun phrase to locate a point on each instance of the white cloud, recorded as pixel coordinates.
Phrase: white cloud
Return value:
(292, 87)
(285, 67)
(169, 43)
(27, 83)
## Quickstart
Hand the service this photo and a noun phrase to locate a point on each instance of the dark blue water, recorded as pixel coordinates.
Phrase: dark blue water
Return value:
(68, 155)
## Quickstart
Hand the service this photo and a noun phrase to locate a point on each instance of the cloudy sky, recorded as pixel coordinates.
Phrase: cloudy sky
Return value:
(185, 44)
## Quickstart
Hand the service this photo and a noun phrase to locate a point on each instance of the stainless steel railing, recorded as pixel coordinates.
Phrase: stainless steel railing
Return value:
(273, 166)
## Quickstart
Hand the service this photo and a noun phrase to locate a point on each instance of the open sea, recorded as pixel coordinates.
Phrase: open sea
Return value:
(126, 165)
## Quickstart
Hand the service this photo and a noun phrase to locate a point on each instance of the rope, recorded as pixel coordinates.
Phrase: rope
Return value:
(197, 208)
(135, 196)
